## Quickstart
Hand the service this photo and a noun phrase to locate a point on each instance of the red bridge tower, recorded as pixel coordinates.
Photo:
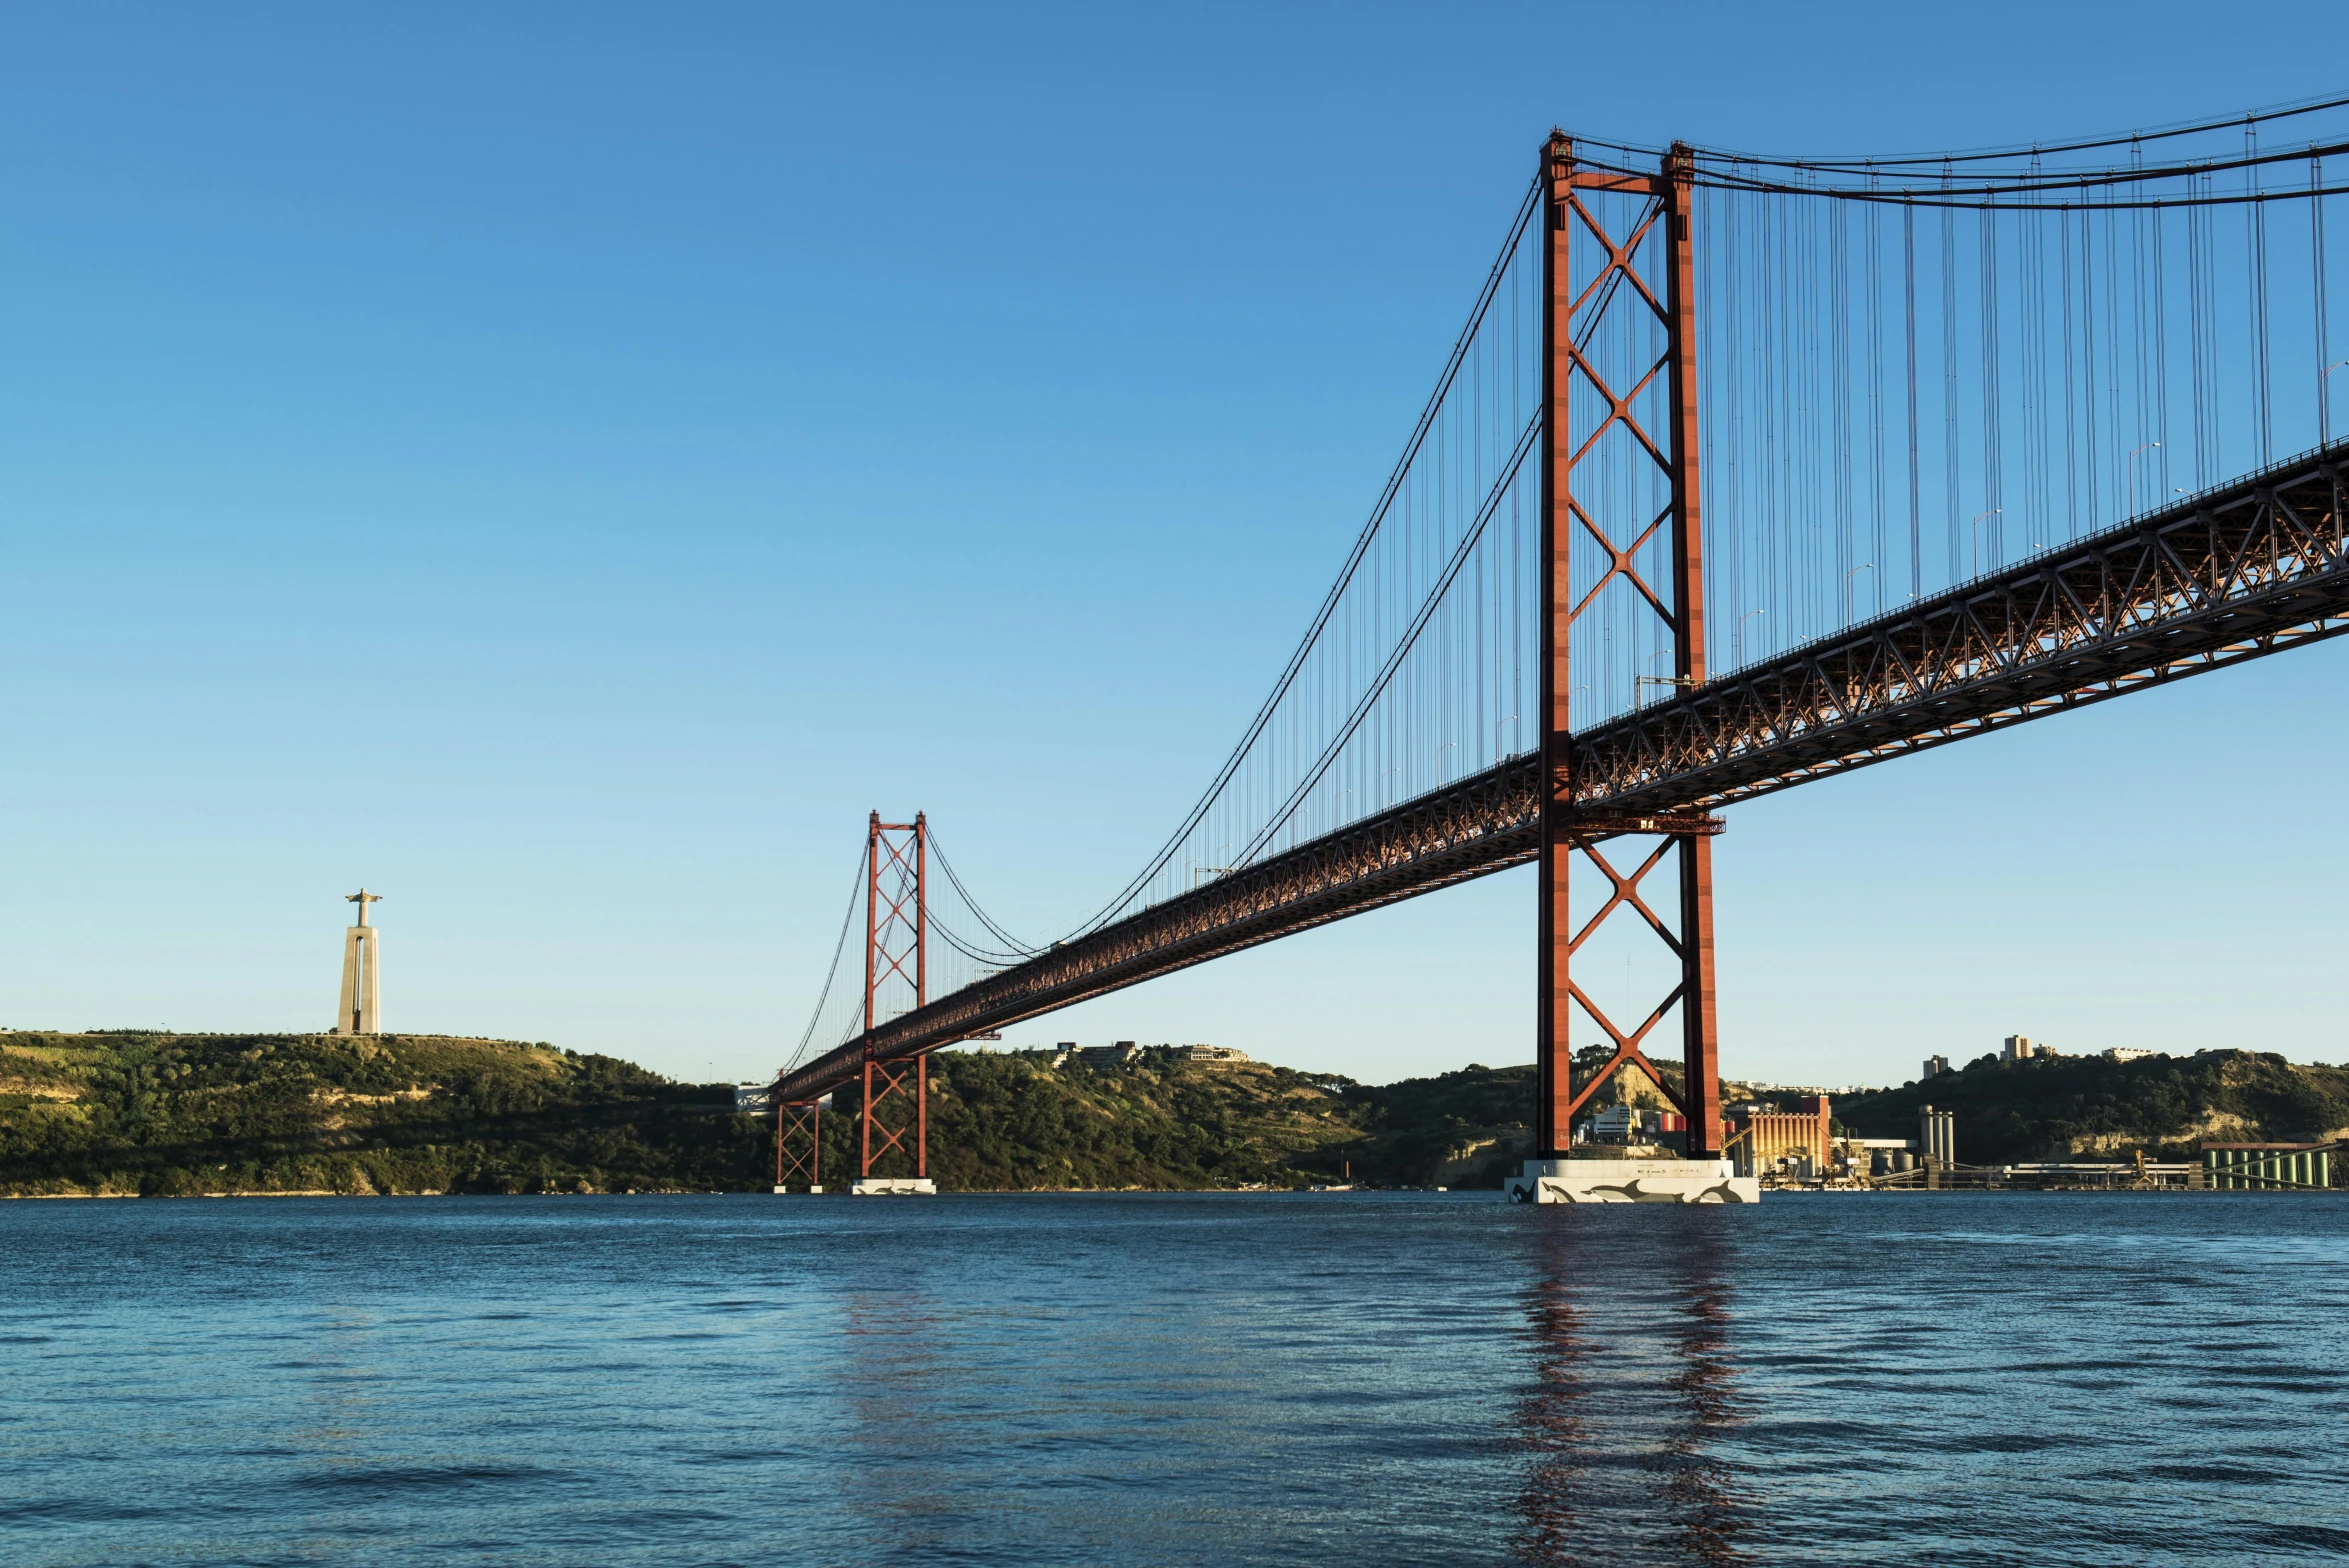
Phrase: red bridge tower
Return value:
(1589, 405)
(893, 1123)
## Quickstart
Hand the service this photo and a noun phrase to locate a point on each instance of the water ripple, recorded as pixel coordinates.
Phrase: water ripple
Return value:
(1113, 1380)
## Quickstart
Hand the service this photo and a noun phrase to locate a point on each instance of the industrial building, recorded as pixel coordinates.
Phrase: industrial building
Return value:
(1874, 1157)
(2267, 1167)
(1632, 1127)
(1762, 1140)
(1937, 1131)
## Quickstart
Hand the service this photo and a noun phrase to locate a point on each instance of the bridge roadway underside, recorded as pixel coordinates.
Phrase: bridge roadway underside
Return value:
(2244, 570)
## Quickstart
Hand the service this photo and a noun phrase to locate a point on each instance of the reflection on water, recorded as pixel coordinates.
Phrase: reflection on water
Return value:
(1628, 1324)
(1701, 1485)
(1121, 1380)
(1550, 1417)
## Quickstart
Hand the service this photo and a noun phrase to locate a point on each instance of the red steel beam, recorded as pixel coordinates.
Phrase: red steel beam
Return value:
(1553, 1026)
(1699, 1016)
(799, 1144)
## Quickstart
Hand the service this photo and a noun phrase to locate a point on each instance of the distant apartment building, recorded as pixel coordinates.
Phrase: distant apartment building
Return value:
(1116, 1054)
(1935, 1066)
(1209, 1053)
(2019, 1048)
(2131, 1053)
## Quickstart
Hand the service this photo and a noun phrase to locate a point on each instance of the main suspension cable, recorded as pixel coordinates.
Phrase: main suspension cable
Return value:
(1018, 948)
(1329, 604)
(1637, 152)
(855, 887)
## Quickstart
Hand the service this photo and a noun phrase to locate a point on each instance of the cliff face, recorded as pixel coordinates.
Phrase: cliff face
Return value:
(2053, 1107)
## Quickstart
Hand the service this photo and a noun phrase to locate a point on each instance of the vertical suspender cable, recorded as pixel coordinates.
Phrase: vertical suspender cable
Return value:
(1953, 508)
(2071, 430)
(2161, 348)
(1993, 446)
(1908, 256)
(2316, 270)
(2255, 225)
(1875, 274)
(2089, 467)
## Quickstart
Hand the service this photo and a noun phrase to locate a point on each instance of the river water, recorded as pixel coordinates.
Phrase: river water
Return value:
(1200, 1379)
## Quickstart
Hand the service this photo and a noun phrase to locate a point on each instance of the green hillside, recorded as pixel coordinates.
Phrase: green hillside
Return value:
(1009, 1122)
(165, 1114)
(2052, 1107)
(140, 1113)
(182, 1114)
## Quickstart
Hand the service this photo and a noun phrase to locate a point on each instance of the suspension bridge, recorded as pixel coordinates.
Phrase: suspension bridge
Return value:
(1743, 472)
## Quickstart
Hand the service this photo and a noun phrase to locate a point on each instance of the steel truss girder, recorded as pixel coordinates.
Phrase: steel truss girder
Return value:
(799, 1145)
(2228, 576)
(2242, 571)
(902, 1129)
(897, 933)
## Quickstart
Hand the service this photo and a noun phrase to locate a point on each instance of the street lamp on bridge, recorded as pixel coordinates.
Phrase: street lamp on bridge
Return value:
(1864, 566)
(1977, 532)
(2147, 447)
(1737, 636)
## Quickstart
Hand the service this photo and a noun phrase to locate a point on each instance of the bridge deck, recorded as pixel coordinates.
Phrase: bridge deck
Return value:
(2245, 570)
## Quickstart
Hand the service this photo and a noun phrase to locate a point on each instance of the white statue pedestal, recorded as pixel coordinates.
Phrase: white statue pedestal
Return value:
(1662, 1180)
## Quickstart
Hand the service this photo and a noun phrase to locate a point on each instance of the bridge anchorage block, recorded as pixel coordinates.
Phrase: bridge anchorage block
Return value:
(1661, 1180)
(894, 1187)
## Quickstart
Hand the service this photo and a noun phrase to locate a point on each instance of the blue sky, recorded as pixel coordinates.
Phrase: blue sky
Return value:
(563, 465)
